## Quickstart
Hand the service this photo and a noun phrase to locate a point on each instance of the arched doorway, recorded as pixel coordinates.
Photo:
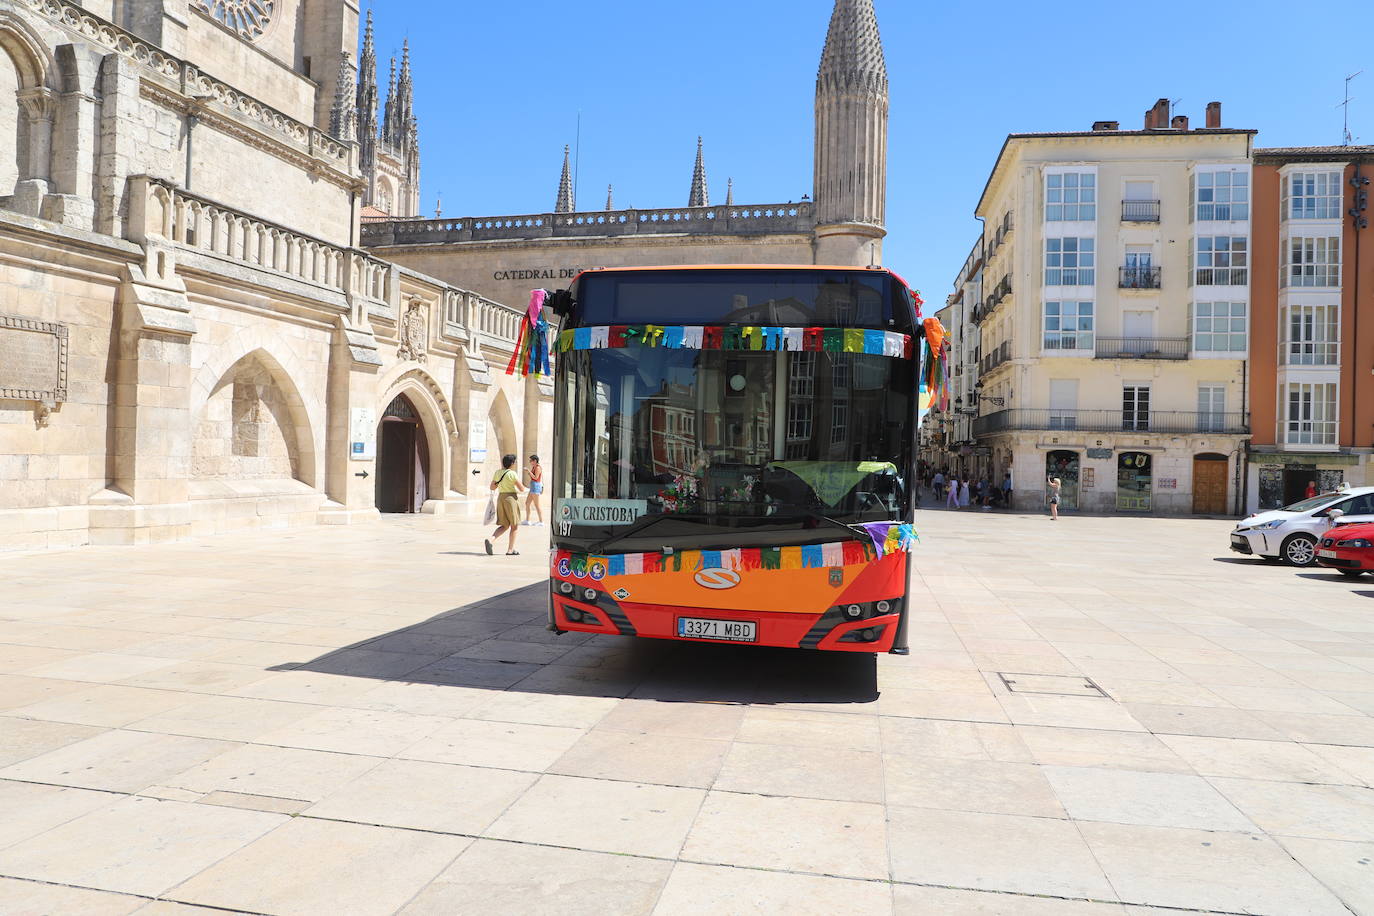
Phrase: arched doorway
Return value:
(1209, 484)
(402, 458)
(1063, 464)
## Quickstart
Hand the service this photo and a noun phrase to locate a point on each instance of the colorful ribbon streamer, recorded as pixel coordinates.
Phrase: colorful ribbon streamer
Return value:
(884, 538)
(738, 337)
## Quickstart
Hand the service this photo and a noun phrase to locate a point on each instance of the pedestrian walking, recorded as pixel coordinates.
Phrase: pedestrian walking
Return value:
(1006, 489)
(963, 492)
(1311, 489)
(952, 497)
(507, 486)
(1055, 486)
(938, 484)
(532, 506)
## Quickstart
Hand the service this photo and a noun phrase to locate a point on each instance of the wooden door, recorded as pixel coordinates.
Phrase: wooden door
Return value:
(1209, 485)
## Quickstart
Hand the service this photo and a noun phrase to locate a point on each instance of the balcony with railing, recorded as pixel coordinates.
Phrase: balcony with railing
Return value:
(994, 358)
(1138, 278)
(1140, 211)
(1104, 421)
(1142, 348)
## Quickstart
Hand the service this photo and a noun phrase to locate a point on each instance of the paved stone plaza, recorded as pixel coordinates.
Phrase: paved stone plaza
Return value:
(373, 719)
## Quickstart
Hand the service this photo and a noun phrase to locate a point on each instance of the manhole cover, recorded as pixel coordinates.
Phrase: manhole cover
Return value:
(1057, 684)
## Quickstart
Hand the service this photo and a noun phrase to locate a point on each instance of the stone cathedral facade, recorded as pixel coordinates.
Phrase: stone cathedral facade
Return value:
(220, 310)
(191, 338)
(504, 256)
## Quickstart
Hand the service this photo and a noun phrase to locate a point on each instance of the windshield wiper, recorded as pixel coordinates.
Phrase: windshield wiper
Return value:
(645, 523)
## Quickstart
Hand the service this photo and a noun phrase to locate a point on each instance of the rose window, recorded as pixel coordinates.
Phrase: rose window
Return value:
(250, 18)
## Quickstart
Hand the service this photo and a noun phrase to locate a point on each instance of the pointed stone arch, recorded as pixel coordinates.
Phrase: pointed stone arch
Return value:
(28, 83)
(440, 429)
(278, 409)
(285, 368)
(502, 422)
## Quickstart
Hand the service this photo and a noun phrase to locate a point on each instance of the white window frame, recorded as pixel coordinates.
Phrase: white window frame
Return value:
(1316, 424)
(1313, 194)
(1204, 266)
(1227, 201)
(1311, 261)
(1070, 195)
(1053, 312)
(1203, 332)
(1318, 338)
(801, 376)
(1084, 249)
(1139, 411)
(1211, 407)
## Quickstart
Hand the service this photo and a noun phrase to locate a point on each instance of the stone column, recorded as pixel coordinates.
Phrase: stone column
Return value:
(73, 164)
(38, 104)
(121, 132)
(353, 366)
(151, 420)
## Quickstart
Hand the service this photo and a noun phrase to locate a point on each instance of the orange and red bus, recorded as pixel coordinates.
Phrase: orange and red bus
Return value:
(734, 453)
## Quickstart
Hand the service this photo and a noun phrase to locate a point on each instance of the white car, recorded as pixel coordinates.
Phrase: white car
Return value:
(1291, 533)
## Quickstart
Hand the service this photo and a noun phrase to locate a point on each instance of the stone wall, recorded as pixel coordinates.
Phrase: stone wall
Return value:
(507, 270)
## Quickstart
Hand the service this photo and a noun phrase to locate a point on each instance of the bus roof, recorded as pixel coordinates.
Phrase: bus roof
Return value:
(731, 267)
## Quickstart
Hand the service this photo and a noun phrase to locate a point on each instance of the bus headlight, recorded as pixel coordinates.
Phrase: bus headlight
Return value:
(884, 607)
(589, 594)
(853, 612)
(565, 587)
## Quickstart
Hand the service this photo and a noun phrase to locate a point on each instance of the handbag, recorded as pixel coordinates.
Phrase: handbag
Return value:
(490, 515)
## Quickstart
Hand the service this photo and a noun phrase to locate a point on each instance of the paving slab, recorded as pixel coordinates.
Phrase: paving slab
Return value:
(493, 878)
(280, 693)
(311, 866)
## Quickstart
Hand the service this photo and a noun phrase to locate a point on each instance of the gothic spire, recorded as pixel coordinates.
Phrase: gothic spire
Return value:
(406, 91)
(391, 119)
(610, 197)
(729, 192)
(850, 185)
(367, 109)
(343, 115)
(853, 55)
(699, 196)
(566, 203)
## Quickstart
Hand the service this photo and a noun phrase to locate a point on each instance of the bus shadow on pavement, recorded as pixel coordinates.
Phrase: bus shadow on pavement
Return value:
(501, 643)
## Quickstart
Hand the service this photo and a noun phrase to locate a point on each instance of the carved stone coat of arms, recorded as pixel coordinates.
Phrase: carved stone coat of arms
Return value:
(414, 332)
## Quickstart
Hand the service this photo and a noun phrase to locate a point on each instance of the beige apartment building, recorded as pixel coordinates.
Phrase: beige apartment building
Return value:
(947, 436)
(1113, 330)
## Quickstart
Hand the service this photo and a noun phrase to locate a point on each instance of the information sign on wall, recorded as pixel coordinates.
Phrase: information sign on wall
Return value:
(477, 439)
(362, 434)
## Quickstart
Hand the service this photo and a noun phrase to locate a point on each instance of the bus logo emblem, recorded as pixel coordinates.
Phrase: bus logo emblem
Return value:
(837, 577)
(717, 578)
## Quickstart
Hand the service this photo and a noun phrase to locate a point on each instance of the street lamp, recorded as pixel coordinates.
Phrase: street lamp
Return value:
(979, 396)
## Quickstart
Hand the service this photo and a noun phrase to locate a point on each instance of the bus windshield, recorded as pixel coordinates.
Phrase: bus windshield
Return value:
(725, 441)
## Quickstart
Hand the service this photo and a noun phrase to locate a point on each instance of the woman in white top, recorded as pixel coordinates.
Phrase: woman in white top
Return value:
(1055, 486)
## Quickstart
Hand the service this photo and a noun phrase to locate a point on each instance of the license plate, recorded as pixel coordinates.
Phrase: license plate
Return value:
(1330, 554)
(702, 628)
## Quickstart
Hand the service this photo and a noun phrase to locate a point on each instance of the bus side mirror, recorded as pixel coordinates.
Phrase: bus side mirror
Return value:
(559, 302)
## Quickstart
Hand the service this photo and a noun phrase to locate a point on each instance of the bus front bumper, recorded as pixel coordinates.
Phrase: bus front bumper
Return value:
(833, 630)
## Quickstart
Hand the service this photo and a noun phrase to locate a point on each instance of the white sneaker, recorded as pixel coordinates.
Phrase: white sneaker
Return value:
(526, 524)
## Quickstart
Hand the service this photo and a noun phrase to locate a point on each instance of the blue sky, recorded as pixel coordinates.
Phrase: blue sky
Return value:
(499, 88)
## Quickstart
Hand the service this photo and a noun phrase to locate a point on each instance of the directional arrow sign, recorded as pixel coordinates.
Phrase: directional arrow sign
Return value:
(362, 474)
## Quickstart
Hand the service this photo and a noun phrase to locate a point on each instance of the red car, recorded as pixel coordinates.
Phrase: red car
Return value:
(1348, 549)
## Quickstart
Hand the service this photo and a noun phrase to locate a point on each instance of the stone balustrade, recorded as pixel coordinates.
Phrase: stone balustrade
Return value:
(762, 219)
(162, 213)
